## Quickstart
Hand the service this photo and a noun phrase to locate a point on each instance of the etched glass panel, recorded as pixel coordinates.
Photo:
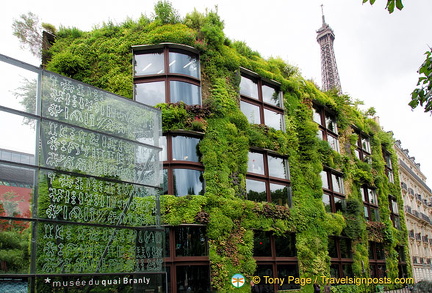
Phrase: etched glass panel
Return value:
(79, 104)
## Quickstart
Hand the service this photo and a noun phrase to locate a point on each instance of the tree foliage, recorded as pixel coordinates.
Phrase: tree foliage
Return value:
(422, 95)
(391, 4)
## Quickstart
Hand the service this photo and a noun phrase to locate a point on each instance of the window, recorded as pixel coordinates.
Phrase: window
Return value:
(186, 259)
(341, 257)
(333, 190)
(388, 166)
(377, 260)
(327, 127)
(261, 101)
(276, 256)
(167, 73)
(394, 212)
(268, 178)
(183, 172)
(363, 148)
(370, 202)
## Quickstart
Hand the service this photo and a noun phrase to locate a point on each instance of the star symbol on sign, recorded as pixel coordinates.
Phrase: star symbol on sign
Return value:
(47, 280)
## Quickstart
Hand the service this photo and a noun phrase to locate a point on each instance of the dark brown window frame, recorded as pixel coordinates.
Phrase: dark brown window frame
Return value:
(324, 112)
(167, 76)
(266, 178)
(259, 100)
(368, 204)
(330, 191)
(340, 261)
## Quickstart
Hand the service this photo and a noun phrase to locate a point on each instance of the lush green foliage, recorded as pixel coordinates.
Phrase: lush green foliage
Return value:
(103, 56)
(423, 94)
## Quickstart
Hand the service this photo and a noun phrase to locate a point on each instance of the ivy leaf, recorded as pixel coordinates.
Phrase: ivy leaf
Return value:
(390, 6)
(399, 4)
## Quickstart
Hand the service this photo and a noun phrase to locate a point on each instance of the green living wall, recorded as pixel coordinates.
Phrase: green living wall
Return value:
(103, 57)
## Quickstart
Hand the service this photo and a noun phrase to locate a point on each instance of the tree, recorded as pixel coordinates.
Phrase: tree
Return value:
(422, 95)
(165, 13)
(28, 30)
(391, 4)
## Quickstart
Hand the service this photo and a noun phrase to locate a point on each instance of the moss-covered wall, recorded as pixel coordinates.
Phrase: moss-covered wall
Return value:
(103, 58)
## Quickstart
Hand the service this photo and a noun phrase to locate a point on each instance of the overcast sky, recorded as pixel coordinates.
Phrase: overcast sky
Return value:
(377, 53)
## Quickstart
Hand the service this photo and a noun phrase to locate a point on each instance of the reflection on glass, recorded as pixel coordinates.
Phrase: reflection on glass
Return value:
(372, 197)
(345, 247)
(288, 270)
(331, 124)
(18, 137)
(334, 143)
(256, 163)
(338, 184)
(15, 243)
(365, 144)
(317, 116)
(248, 88)
(251, 112)
(183, 64)
(279, 194)
(185, 92)
(278, 167)
(187, 181)
(273, 119)
(340, 204)
(326, 202)
(185, 148)
(18, 88)
(163, 156)
(271, 95)
(16, 190)
(193, 279)
(324, 180)
(261, 244)
(332, 247)
(151, 63)
(191, 241)
(150, 93)
(256, 190)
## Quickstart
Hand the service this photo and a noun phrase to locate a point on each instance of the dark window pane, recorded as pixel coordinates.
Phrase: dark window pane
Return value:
(190, 241)
(251, 112)
(285, 246)
(150, 93)
(187, 181)
(185, 148)
(288, 270)
(256, 190)
(332, 248)
(185, 92)
(261, 244)
(340, 204)
(248, 88)
(334, 271)
(183, 64)
(347, 270)
(195, 279)
(146, 64)
(345, 247)
(261, 271)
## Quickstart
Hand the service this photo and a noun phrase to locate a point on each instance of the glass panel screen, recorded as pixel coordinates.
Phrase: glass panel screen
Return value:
(185, 148)
(278, 167)
(251, 112)
(187, 181)
(273, 119)
(271, 95)
(248, 88)
(256, 190)
(150, 93)
(151, 63)
(183, 64)
(185, 92)
(256, 163)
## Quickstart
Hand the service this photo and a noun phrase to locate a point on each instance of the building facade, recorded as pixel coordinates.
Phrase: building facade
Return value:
(418, 213)
(264, 174)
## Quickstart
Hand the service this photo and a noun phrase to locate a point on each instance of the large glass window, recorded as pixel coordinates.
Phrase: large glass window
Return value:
(377, 260)
(394, 212)
(388, 166)
(363, 148)
(166, 74)
(370, 202)
(340, 252)
(333, 190)
(268, 178)
(261, 101)
(183, 172)
(327, 127)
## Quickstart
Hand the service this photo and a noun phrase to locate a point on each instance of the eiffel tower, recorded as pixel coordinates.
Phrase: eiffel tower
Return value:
(329, 71)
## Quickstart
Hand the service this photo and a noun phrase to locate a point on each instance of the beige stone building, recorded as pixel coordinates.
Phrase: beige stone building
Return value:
(417, 198)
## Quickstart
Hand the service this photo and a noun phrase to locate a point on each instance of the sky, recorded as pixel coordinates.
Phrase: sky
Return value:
(377, 53)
